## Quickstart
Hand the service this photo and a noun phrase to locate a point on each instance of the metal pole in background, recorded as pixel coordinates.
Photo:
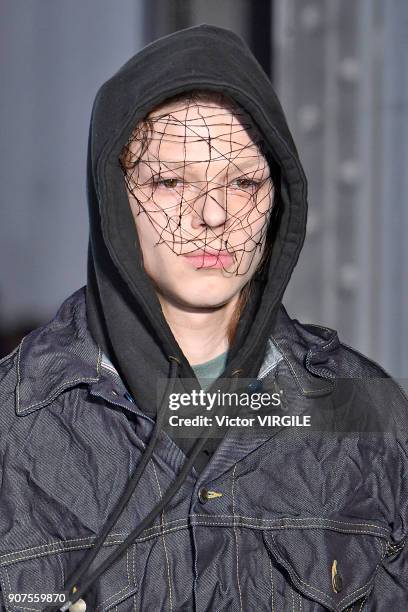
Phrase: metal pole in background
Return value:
(342, 71)
(393, 320)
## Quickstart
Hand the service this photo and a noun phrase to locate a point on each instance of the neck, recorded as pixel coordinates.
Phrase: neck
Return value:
(200, 333)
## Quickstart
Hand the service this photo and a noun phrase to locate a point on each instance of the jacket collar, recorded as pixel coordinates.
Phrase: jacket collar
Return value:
(59, 355)
(63, 354)
(310, 351)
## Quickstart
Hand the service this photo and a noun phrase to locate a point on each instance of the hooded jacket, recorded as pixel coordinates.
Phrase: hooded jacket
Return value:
(96, 500)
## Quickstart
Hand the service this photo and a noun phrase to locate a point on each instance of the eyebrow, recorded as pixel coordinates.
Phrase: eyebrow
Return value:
(247, 165)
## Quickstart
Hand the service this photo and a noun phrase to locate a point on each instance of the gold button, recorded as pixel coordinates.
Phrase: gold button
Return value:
(337, 581)
(78, 606)
(205, 494)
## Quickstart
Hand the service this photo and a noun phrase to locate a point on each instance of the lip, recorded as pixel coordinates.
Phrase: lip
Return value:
(210, 259)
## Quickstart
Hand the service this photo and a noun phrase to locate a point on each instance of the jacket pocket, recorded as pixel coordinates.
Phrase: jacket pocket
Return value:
(43, 573)
(334, 564)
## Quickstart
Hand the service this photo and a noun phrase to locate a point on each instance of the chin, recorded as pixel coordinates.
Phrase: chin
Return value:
(200, 292)
(205, 298)
(207, 304)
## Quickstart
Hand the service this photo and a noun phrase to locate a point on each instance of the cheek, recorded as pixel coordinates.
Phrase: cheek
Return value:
(257, 221)
(248, 264)
(159, 261)
(153, 228)
(146, 229)
(147, 238)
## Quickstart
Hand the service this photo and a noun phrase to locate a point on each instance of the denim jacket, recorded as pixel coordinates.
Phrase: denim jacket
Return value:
(299, 522)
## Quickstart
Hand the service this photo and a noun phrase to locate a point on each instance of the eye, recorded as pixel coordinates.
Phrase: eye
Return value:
(169, 183)
(246, 183)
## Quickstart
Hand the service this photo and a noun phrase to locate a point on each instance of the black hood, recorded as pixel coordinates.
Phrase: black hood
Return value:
(124, 313)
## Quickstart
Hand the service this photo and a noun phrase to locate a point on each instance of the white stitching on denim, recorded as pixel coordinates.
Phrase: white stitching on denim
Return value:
(254, 526)
(164, 541)
(81, 547)
(351, 595)
(392, 549)
(332, 339)
(133, 564)
(265, 528)
(272, 585)
(89, 539)
(138, 594)
(348, 596)
(127, 565)
(134, 576)
(362, 604)
(294, 520)
(55, 547)
(18, 376)
(9, 587)
(62, 570)
(195, 561)
(295, 578)
(245, 522)
(56, 391)
(126, 588)
(364, 601)
(293, 596)
(293, 575)
(19, 607)
(305, 391)
(236, 537)
(44, 546)
(312, 525)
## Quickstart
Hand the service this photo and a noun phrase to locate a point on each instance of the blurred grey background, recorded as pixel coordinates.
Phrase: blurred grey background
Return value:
(340, 68)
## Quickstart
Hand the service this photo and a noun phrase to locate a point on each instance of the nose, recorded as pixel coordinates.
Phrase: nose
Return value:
(210, 208)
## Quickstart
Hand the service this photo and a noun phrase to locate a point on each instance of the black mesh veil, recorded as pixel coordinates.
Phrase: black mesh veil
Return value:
(170, 176)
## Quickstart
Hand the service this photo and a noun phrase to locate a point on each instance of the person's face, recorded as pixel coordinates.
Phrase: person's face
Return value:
(201, 196)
